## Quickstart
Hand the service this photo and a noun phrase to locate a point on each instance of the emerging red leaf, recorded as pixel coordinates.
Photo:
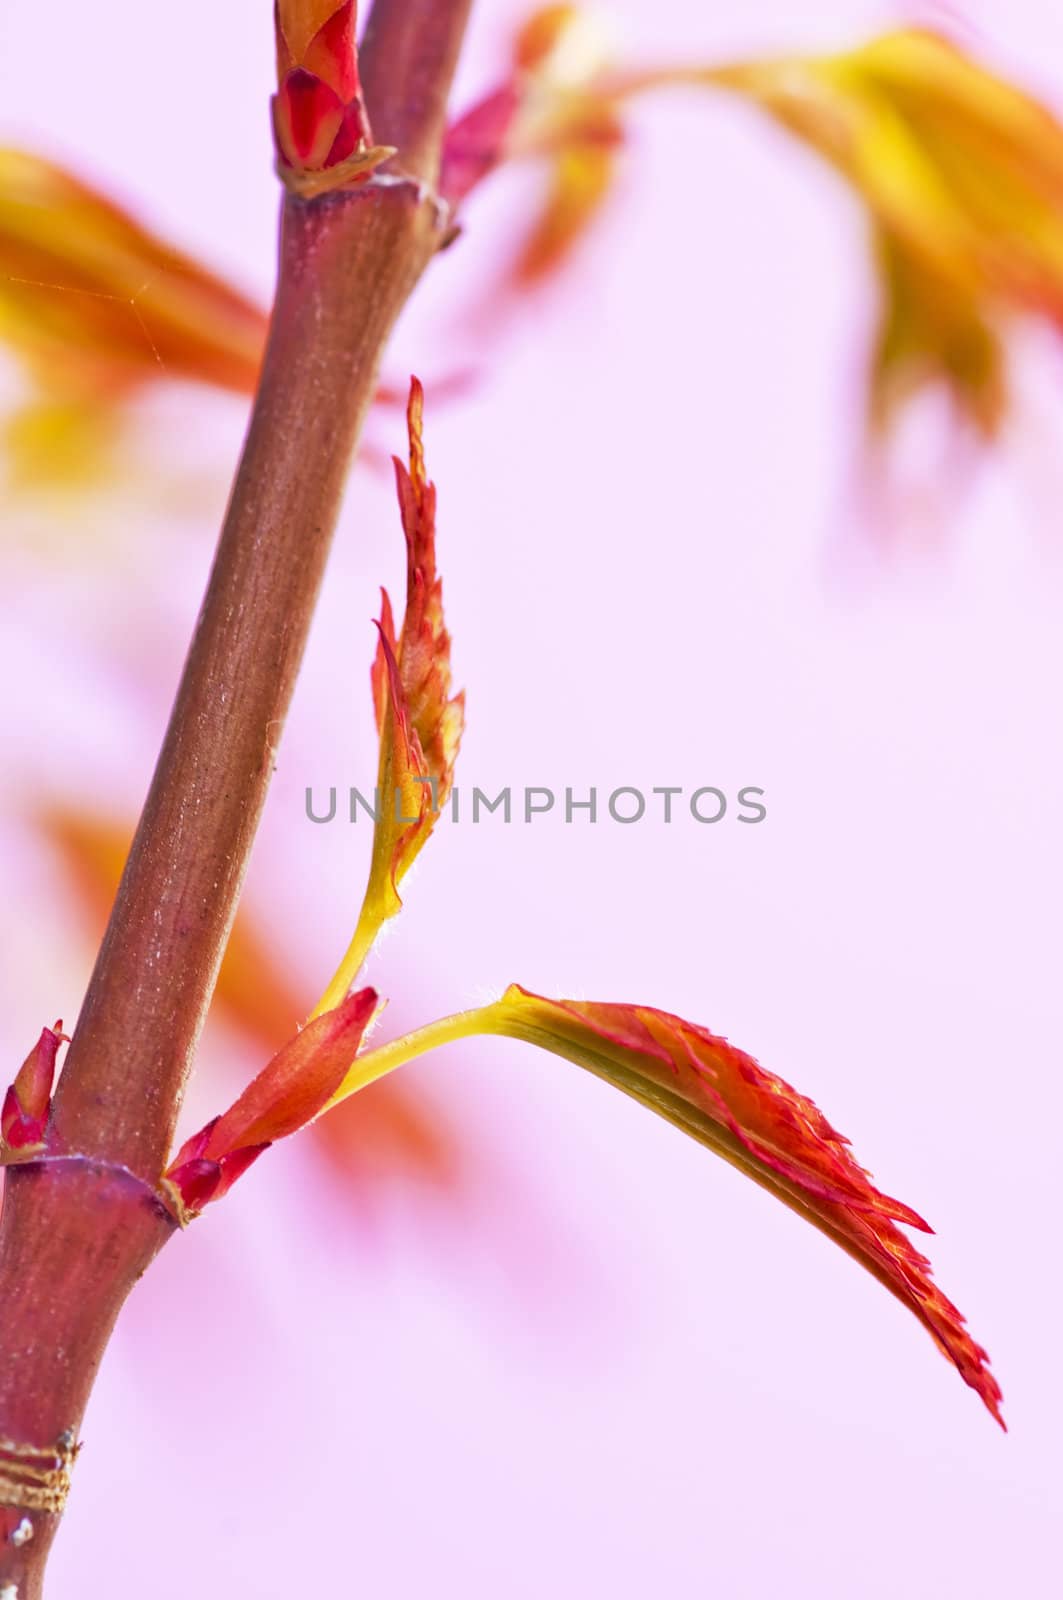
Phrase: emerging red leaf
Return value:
(289, 1093)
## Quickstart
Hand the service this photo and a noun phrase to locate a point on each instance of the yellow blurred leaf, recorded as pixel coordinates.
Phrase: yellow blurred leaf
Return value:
(94, 305)
(961, 173)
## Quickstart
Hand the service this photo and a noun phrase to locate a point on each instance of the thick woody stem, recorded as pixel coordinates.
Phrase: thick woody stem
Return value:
(347, 265)
(79, 1227)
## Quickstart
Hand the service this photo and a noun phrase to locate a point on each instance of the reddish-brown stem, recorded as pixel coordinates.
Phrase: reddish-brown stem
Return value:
(346, 266)
(80, 1226)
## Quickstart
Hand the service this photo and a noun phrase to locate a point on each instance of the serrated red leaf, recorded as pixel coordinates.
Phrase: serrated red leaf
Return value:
(756, 1121)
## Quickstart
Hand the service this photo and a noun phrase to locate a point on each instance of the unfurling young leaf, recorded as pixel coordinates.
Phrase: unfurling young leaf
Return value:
(287, 1094)
(24, 1118)
(754, 1120)
(419, 722)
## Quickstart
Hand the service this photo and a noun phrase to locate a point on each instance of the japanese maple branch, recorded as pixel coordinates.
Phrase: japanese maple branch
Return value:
(81, 1224)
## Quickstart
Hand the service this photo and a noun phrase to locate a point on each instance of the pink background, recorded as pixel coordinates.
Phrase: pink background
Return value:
(605, 1365)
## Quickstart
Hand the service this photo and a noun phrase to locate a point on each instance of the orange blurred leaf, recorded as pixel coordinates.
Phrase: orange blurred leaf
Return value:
(89, 294)
(95, 305)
